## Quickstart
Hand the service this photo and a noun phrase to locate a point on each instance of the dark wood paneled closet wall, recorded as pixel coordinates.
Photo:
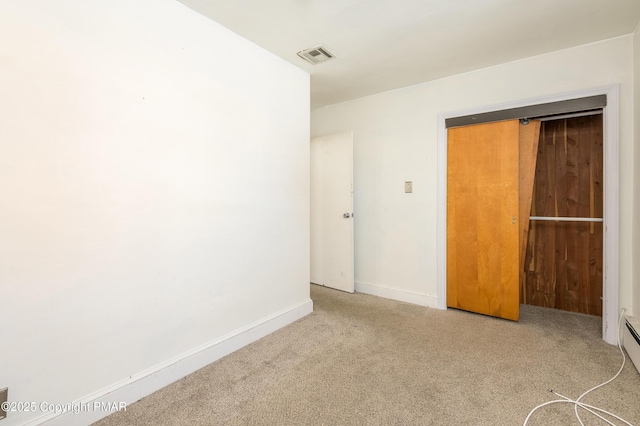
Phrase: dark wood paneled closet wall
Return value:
(563, 263)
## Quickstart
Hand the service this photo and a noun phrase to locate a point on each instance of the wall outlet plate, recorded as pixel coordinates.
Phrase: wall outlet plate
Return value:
(4, 395)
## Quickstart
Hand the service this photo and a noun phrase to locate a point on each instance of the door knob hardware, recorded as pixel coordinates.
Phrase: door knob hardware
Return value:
(347, 215)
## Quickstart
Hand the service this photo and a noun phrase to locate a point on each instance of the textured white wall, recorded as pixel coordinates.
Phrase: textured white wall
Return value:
(395, 140)
(154, 190)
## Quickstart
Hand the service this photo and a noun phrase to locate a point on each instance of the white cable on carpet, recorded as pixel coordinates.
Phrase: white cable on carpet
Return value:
(587, 407)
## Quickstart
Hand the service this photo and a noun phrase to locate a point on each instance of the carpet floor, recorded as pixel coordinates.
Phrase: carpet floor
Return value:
(364, 360)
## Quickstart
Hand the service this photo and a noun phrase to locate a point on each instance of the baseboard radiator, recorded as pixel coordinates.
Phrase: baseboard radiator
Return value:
(631, 339)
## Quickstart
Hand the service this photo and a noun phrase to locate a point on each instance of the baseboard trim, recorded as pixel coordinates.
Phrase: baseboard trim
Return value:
(146, 382)
(415, 298)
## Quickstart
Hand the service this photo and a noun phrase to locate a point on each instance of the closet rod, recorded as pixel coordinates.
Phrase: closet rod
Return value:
(567, 219)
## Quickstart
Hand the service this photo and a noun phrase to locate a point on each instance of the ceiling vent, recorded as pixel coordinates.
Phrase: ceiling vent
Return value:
(315, 55)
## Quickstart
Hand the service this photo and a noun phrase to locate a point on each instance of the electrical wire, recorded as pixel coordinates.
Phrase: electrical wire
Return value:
(587, 407)
(624, 359)
(590, 408)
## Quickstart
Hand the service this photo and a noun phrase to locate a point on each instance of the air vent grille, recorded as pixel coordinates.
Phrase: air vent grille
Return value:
(315, 55)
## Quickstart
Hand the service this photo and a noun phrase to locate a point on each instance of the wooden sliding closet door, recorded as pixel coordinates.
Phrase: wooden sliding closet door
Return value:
(564, 259)
(483, 249)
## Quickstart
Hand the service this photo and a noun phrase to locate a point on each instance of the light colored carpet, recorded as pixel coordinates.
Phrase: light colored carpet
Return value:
(363, 360)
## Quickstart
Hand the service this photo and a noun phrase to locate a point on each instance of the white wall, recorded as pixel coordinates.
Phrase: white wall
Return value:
(636, 151)
(154, 187)
(395, 140)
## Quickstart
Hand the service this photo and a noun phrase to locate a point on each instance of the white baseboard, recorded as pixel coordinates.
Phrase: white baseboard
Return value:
(421, 299)
(142, 384)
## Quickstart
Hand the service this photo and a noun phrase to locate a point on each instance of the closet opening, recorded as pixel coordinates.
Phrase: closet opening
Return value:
(563, 264)
(571, 251)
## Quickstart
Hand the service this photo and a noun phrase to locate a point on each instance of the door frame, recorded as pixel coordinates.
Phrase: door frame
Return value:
(611, 272)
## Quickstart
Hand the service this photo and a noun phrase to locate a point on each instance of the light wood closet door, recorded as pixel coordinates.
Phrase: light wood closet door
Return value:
(483, 250)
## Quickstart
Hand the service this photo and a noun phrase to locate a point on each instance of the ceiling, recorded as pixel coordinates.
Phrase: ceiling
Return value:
(382, 45)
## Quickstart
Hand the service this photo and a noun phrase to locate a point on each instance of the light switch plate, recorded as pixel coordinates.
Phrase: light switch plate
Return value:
(4, 394)
(408, 186)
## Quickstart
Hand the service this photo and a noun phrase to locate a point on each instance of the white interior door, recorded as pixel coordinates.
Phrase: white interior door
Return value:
(332, 211)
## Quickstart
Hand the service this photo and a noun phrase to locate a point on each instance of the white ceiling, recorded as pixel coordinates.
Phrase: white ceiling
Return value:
(387, 44)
